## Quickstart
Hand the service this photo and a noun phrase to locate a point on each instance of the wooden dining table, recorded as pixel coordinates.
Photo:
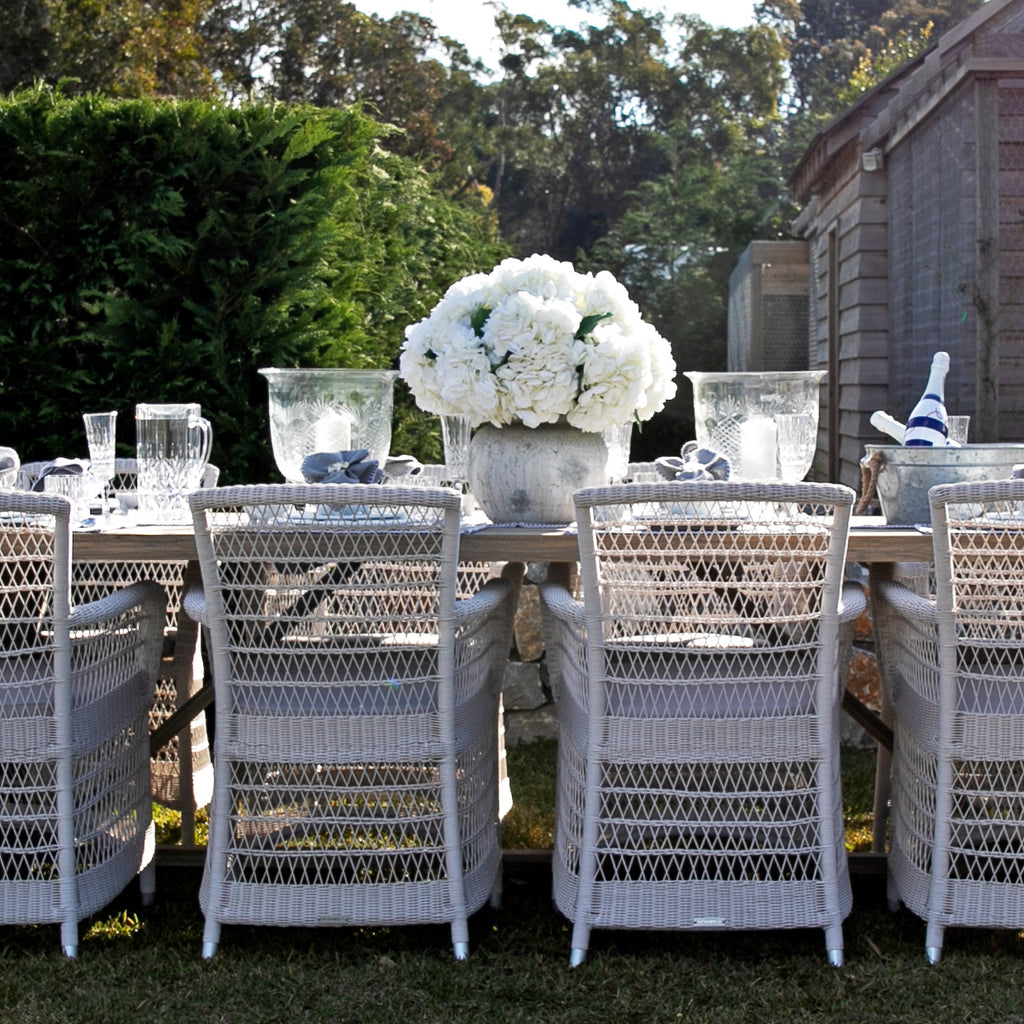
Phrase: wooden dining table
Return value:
(872, 542)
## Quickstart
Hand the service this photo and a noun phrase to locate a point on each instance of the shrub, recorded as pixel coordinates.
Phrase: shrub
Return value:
(161, 251)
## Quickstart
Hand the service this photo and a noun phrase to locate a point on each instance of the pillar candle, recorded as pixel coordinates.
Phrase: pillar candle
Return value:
(758, 445)
(333, 432)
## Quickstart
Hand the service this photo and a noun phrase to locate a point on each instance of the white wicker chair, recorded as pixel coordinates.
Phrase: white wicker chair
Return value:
(75, 821)
(698, 696)
(472, 576)
(179, 679)
(955, 672)
(356, 772)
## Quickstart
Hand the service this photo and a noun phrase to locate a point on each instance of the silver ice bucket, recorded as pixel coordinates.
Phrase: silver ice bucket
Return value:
(905, 475)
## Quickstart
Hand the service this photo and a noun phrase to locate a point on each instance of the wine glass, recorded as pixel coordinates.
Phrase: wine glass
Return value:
(99, 434)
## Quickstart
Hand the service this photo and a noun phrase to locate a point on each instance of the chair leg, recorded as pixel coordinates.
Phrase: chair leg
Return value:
(834, 944)
(211, 938)
(580, 943)
(460, 938)
(147, 884)
(933, 942)
(69, 938)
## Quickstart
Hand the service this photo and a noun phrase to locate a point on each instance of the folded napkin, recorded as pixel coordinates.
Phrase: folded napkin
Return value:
(696, 464)
(9, 466)
(341, 468)
(59, 467)
(398, 466)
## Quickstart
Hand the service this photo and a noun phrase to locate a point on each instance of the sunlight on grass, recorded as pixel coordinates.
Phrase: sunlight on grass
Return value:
(122, 925)
(168, 825)
(858, 770)
(531, 822)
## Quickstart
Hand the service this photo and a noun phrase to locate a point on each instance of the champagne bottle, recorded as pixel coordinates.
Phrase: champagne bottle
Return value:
(928, 425)
(889, 425)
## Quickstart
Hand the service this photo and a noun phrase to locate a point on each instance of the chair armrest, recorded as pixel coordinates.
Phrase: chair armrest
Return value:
(906, 602)
(562, 605)
(194, 603)
(103, 633)
(487, 601)
(117, 603)
(852, 602)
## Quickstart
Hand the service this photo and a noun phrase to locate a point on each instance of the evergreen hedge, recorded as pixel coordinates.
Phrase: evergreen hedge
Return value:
(165, 251)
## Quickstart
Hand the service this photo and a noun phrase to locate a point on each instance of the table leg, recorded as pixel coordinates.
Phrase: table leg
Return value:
(877, 573)
(185, 668)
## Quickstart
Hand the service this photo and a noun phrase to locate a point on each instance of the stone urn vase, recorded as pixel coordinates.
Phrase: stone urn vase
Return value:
(522, 474)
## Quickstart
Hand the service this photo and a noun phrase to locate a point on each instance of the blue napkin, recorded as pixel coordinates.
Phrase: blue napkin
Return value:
(341, 468)
(696, 464)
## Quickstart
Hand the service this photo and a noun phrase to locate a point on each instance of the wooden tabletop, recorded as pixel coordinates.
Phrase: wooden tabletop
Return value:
(871, 541)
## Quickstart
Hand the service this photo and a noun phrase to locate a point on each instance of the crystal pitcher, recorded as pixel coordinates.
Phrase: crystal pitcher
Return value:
(173, 447)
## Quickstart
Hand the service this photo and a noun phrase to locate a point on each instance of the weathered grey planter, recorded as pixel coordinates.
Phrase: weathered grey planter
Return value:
(528, 474)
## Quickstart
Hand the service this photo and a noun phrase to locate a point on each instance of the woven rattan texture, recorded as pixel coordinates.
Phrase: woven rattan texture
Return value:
(356, 764)
(179, 678)
(698, 686)
(954, 664)
(75, 822)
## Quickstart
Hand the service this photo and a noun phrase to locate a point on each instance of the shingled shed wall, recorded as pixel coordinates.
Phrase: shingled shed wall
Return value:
(914, 219)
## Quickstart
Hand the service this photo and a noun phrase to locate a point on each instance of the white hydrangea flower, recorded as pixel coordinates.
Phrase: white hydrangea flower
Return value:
(504, 347)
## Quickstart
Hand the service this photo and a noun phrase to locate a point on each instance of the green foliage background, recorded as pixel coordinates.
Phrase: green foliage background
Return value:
(165, 251)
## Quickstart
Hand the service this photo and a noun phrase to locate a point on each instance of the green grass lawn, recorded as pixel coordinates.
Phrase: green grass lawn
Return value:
(143, 964)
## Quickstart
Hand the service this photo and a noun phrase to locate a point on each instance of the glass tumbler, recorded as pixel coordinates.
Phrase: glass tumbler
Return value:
(795, 435)
(455, 433)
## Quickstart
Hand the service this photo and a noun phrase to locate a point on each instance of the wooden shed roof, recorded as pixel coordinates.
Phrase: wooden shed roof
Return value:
(888, 112)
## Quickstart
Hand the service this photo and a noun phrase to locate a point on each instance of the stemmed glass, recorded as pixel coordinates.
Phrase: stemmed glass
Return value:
(99, 434)
(455, 434)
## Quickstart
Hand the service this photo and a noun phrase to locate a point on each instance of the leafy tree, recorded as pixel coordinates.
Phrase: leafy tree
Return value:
(675, 249)
(329, 54)
(572, 125)
(875, 66)
(128, 48)
(657, 147)
(827, 39)
(25, 42)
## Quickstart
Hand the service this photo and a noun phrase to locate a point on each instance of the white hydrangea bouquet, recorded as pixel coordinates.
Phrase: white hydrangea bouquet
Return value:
(534, 341)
